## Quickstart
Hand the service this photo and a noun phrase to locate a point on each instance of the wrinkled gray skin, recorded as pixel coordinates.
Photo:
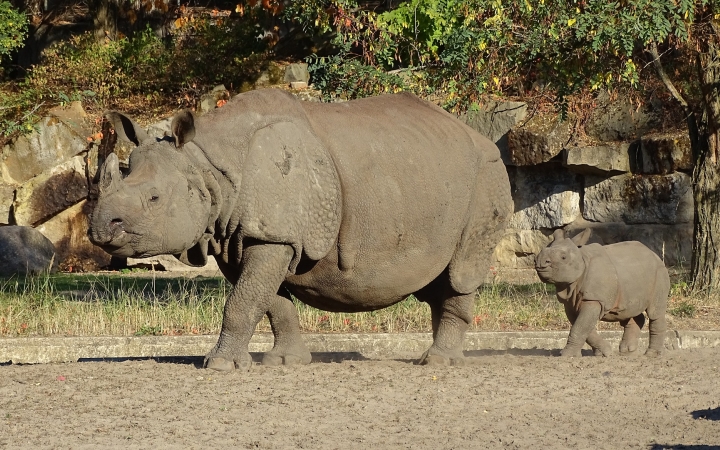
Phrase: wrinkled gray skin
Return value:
(612, 283)
(348, 207)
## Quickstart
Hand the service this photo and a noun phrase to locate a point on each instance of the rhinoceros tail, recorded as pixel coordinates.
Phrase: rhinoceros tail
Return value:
(488, 215)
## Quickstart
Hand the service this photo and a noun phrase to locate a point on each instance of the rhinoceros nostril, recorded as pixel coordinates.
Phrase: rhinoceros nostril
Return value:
(116, 223)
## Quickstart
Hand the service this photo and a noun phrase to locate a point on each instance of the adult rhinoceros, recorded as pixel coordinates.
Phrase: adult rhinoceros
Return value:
(348, 206)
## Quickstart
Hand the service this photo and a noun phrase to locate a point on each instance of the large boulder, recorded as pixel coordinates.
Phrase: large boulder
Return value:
(7, 196)
(25, 251)
(494, 119)
(517, 248)
(664, 154)
(636, 199)
(68, 231)
(672, 243)
(60, 136)
(610, 159)
(53, 191)
(538, 140)
(545, 196)
(621, 120)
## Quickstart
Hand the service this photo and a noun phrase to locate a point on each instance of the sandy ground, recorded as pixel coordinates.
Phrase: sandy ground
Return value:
(525, 400)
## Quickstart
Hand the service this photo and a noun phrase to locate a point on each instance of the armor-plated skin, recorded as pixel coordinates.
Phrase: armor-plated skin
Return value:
(348, 207)
(612, 283)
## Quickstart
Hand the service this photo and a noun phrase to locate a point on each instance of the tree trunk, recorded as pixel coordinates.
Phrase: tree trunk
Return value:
(105, 14)
(705, 140)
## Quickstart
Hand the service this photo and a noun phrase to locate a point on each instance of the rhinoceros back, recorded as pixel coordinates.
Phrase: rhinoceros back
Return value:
(640, 277)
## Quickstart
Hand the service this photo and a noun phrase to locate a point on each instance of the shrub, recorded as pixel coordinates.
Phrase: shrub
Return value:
(13, 29)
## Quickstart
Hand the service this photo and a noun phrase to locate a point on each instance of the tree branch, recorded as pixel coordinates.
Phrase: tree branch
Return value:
(664, 76)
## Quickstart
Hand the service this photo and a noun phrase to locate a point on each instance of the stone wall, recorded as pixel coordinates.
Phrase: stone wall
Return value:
(623, 179)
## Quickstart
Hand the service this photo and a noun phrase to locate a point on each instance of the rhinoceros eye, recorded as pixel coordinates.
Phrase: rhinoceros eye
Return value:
(154, 198)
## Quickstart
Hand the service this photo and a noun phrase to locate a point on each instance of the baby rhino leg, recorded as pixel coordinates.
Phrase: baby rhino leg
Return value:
(629, 342)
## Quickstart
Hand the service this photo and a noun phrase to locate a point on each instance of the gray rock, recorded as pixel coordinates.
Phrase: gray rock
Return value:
(169, 263)
(7, 196)
(672, 243)
(620, 120)
(60, 136)
(545, 196)
(298, 85)
(635, 199)
(297, 72)
(210, 100)
(517, 248)
(663, 154)
(51, 192)
(68, 231)
(600, 160)
(494, 119)
(539, 140)
(25, 251)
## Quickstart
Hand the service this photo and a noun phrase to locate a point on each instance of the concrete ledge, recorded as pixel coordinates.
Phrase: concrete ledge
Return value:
(33, 350)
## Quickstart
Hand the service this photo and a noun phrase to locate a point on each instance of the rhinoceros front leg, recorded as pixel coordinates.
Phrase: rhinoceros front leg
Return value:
(450, 319)
(582, 329)
(264, 267)
(599, 345)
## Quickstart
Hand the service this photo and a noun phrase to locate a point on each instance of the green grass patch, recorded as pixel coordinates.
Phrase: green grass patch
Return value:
(139, 304)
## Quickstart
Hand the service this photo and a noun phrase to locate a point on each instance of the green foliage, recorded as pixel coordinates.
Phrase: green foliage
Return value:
(13, 28)
(468, 48)
(134, 73)
(683, 309)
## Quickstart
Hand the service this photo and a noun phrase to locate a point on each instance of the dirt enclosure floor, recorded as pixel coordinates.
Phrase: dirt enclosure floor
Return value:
(526, 400)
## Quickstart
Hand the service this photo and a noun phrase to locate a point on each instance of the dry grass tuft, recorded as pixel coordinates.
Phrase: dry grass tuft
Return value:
(97, 305)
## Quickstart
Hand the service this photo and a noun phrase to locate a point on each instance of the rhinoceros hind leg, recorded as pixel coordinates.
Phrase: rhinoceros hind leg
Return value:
(631, 335)
(600, 346)
(289, 348)
(451, 314)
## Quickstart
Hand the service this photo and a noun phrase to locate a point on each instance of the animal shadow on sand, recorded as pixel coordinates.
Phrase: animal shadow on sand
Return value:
(707, 414)
(197, 361)
(683, 447)
(338, 357)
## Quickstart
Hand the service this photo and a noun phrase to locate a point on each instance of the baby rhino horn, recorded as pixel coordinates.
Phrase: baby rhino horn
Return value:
(110, 176)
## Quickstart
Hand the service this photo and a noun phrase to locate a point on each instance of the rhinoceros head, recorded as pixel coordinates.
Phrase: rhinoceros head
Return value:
(162, 206)
(561, 261)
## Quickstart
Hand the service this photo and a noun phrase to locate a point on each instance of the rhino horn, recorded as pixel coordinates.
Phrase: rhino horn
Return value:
(110, 176)
(558, 235)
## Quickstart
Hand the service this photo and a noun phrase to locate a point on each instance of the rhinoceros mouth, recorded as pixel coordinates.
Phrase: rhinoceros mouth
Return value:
(544, 273)
(116, 244)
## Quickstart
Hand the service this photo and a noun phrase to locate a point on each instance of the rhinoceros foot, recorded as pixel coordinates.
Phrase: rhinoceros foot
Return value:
(571, 352)
(653, 352)
(287, 356)
(628, 349)
(226, 363)
(434, 358)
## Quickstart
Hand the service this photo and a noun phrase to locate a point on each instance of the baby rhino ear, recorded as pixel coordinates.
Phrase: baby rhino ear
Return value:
(183, 128)
(582, 238)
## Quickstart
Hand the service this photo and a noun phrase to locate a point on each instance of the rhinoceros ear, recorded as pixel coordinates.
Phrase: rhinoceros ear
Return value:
(110, 176)
(558, 235)
(183, 128)
(582, 238)
(126, 128)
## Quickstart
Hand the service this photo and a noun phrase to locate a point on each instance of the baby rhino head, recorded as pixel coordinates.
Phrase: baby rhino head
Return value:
(561, 261)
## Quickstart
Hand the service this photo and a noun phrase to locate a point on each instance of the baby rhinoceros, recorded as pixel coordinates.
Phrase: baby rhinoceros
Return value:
(612, 283)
